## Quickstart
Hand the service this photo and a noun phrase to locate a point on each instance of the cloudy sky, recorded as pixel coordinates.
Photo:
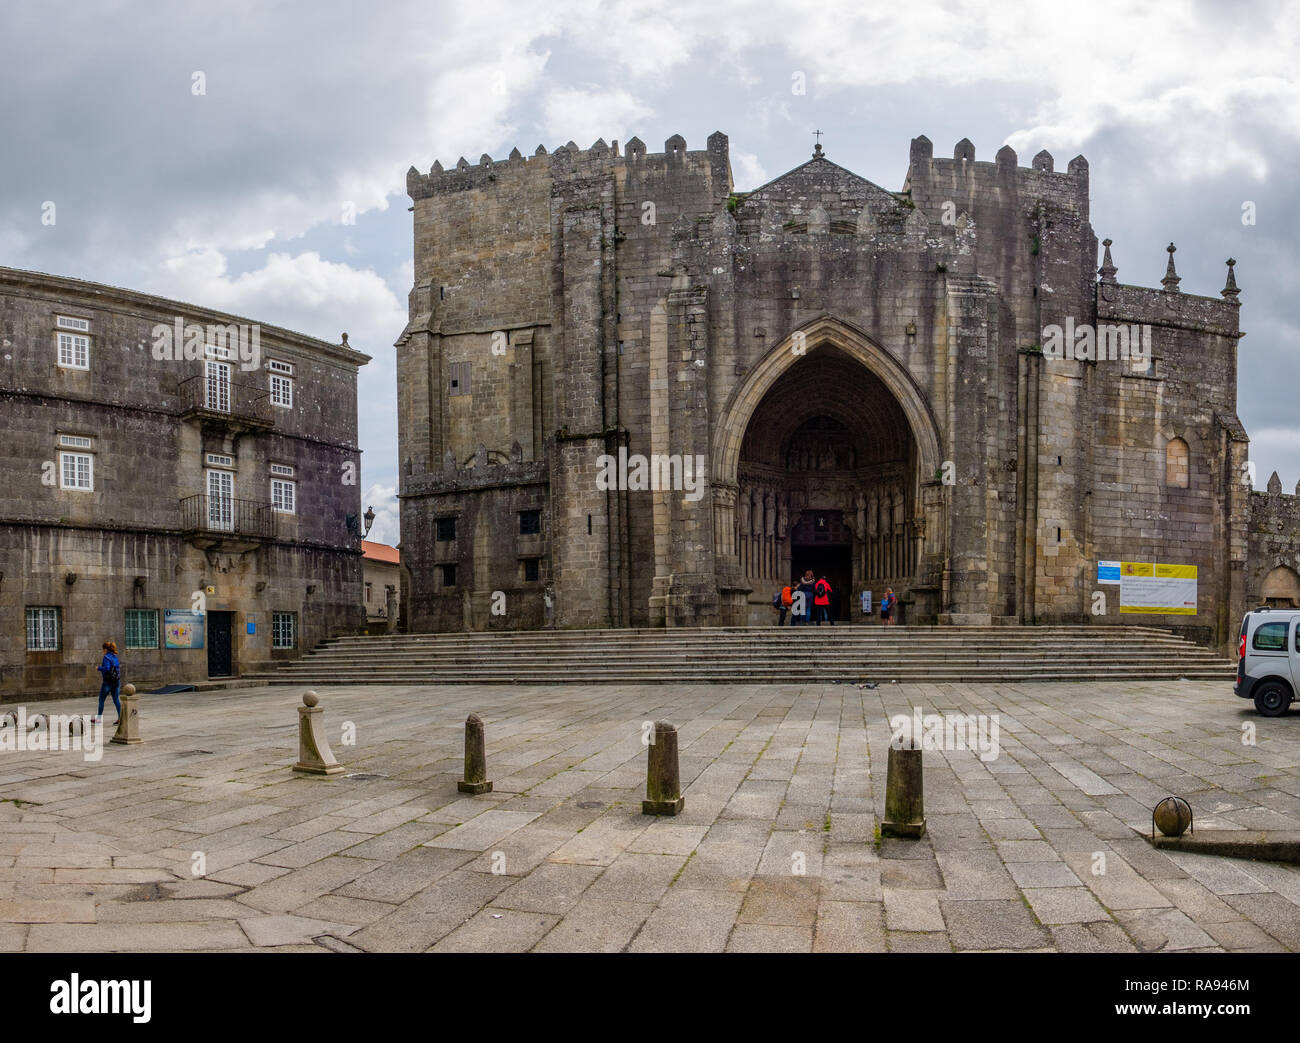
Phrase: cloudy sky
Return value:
(213, 152)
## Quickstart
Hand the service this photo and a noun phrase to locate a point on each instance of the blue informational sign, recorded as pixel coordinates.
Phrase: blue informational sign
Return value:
(1108, 572)
(182, 628)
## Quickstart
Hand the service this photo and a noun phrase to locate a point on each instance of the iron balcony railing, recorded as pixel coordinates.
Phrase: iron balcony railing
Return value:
(224, 515)
(202, 394)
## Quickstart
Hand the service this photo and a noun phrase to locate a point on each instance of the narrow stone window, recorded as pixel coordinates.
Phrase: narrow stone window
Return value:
(1177, 458)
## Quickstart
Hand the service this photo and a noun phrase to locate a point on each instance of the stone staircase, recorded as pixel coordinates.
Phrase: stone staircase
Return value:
(759, 655)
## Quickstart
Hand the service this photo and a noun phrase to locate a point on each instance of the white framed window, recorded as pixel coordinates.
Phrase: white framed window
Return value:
(74, 351)
(216, 386)
(76, 442)
(283, 470)
(276, 366)
(43, 630)
(283, 496)
(281, 391)
(77, 471)
(221, 500)
(69, 322)
(216, 351)
(284, 630)
(220, 460)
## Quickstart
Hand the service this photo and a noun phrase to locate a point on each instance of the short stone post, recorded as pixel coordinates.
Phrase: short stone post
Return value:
(904, 794)
(128, 723)
(314, 754)
(663, 778)
(475, 780)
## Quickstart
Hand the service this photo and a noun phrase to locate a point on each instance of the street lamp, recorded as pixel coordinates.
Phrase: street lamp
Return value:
(355, 529)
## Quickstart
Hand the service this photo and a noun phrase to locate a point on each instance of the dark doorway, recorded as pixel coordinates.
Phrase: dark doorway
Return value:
(836, 564)
(221, 660)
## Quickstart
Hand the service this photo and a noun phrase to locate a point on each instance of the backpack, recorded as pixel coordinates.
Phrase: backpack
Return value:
(776, 600)
(823, 588)
(113, 674)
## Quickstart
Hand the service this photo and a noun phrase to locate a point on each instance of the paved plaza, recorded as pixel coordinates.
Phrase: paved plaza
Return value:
(777, 849)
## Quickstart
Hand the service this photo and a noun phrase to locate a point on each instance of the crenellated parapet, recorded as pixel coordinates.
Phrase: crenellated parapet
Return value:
(936, 177)
(569, 160)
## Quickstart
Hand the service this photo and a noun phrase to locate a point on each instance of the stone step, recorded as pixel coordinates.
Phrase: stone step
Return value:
(759, 655)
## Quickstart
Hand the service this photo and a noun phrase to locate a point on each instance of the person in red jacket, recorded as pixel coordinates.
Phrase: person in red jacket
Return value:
(822, 601)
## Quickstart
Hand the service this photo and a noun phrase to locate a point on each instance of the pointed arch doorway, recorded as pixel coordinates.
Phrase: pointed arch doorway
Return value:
(821, 458)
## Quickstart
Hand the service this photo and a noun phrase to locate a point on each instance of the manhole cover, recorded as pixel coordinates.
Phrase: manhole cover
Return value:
(365, 776)
(590, 805)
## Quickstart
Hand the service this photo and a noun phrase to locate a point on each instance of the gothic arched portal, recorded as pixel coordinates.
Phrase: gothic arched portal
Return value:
(821, 454)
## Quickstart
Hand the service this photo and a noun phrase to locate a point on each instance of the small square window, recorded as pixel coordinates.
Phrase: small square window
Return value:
(448, 575)
(532, 569)
(446, 530)
(43, 629)
(141, 628)
(530, 523)
(284, 630)
(283, 496)
(77, 471)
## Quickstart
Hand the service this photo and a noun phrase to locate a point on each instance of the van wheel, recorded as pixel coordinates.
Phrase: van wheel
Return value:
(1272, 699)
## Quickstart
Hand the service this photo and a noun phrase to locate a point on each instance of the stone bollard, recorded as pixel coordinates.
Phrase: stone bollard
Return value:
(128, 724)
(314, 754)
(904, 794)
(663, 779)
(475, 780)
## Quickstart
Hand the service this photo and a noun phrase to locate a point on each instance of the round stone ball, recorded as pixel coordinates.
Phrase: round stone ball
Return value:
(310, 699)
(128, 689)
(1173, 816)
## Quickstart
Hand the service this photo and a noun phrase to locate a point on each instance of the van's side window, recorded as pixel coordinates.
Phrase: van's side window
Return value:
(1270, 637)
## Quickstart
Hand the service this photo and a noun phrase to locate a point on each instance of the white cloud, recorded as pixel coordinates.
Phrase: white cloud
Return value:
(302, 292)
(583, 114)
(383, 498)
(746, 171)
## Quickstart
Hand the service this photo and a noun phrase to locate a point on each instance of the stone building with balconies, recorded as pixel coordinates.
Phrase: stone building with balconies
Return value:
(178, 480)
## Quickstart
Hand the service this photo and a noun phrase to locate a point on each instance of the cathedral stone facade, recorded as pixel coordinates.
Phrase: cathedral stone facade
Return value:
(630, 396)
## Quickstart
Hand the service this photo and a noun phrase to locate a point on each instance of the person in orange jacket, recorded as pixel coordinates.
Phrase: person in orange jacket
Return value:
(782, 601)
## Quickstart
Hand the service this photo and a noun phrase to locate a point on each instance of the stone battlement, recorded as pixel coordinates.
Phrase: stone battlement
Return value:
(465, 175)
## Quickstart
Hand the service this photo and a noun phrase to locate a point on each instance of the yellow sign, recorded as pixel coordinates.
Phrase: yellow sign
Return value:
(1167, 590)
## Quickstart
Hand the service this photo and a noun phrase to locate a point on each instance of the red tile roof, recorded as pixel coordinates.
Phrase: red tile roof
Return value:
(381, 552)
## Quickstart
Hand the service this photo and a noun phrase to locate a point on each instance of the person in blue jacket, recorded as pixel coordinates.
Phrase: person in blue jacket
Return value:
(111, 669)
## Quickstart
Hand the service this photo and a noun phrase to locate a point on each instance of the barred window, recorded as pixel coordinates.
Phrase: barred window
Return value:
(74, 351)
(448, 575)
(281, 391)
(530, 523)
(141, 628)
(43, 630)
(284, 630)
(77, 470)
(283, 496)
(446, 529)
(532, 569)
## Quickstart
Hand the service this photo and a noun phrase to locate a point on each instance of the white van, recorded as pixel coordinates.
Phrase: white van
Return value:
(1268, 667)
